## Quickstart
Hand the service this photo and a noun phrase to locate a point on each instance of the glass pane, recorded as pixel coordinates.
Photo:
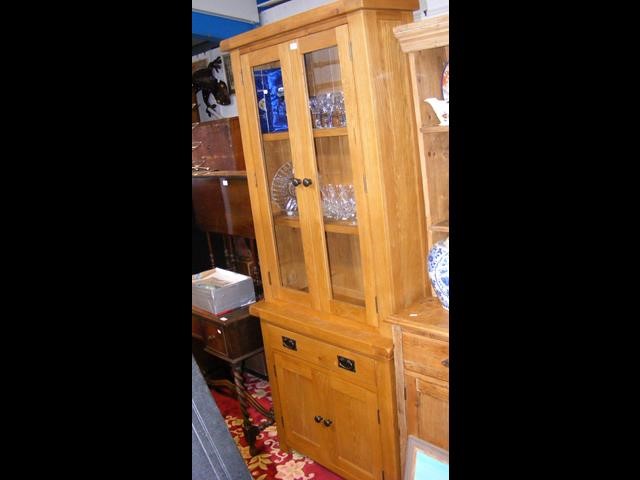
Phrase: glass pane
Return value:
(326, 99)
(279, 168)
(333, 162)
(346, 267)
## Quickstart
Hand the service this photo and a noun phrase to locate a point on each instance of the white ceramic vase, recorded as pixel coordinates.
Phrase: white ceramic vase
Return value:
(438, 268)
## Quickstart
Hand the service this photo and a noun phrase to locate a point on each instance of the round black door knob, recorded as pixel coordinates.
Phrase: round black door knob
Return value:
(295, 182)
(306, 182)
(317, 418)
(327, 423)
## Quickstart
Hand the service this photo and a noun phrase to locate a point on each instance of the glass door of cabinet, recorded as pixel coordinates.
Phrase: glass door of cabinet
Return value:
(266, 108)
(325, 119)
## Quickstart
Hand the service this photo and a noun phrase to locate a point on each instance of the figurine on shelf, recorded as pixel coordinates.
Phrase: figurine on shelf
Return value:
(441, 108)
(438, 267)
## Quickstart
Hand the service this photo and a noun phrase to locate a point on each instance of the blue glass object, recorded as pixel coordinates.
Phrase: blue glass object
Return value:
(270, 96)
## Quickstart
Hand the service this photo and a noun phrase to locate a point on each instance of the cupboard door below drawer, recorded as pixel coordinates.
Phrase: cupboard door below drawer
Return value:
(300, 389)
(355, 432)
(427, 408)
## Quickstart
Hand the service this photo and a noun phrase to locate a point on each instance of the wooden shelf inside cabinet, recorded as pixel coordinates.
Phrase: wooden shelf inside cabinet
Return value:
(332, 226)
(435, 129)
(336, 226)
(222, 173)
(329, 132)
(275, 137)
(440, 226)
(286, 221)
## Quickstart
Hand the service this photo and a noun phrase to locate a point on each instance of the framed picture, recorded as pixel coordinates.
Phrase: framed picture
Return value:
(425, 461)
(226, 59)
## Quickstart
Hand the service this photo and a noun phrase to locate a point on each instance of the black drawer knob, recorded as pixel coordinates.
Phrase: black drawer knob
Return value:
(306, 182)
(346, 363)
(289, 343)
(318, 418)
(327, 423)
(445, 362)
(295, 182)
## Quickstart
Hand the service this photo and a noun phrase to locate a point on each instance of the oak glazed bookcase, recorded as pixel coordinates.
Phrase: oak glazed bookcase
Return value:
(329, 281)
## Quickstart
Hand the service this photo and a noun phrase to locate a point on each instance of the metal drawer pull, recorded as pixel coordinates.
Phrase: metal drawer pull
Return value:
(289, 343)
(347, 364)
(318, 418)
(445, 362)
(327, 423)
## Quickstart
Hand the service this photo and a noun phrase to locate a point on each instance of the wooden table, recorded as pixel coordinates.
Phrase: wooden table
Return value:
(233, 337)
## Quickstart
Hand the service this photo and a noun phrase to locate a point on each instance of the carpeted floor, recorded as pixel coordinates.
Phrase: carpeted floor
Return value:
(271, 462)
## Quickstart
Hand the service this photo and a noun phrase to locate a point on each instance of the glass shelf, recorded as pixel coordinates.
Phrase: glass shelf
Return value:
(435, 129)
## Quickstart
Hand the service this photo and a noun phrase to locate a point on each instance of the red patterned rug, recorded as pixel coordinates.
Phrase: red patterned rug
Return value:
(271, 462)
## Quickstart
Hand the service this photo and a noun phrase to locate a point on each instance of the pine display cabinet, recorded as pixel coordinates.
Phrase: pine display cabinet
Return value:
(421, 331)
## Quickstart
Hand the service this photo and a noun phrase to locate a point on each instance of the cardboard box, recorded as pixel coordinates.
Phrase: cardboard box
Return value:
(219, 290)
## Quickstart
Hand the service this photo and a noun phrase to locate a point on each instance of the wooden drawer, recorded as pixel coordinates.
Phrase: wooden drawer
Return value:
(233, 341)
(345, 363)
(425, 355)
(215, 337)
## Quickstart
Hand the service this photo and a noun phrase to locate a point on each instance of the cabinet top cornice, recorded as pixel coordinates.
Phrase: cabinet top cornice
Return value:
(428, 33)
(324, 12)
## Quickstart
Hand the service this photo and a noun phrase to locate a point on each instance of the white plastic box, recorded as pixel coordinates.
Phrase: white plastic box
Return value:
(219, 290)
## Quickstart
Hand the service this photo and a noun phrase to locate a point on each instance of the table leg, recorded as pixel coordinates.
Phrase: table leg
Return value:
(250, 431)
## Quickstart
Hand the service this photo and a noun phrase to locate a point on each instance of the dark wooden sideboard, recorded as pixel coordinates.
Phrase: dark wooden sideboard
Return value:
(234, 339)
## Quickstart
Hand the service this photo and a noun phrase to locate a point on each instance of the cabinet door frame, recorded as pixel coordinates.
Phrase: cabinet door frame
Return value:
(420, 388)
(268, 249)
(295, 77)
(339, 461)
(316, 450)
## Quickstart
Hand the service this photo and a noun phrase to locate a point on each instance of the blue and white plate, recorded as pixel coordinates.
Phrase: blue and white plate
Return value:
(438, 268)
